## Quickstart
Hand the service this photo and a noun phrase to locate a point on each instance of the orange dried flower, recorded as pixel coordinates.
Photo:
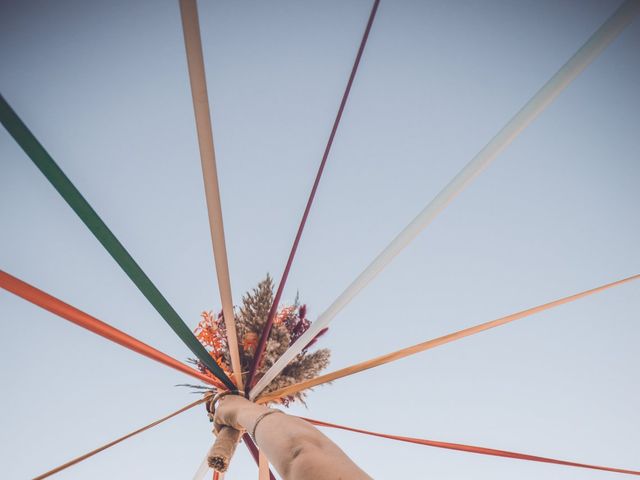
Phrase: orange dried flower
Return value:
(250, 342)
(208, 333)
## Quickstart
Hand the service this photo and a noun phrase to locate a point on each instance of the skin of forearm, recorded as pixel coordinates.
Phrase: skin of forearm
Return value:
(297, 449)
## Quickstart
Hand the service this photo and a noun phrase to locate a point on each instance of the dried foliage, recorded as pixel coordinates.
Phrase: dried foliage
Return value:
(290, 323)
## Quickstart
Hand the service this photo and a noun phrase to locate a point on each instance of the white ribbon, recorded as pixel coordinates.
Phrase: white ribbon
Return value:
(569, 71)
(202, 469)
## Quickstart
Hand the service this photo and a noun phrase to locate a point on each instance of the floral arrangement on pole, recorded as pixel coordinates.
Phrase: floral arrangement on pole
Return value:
(289, 324)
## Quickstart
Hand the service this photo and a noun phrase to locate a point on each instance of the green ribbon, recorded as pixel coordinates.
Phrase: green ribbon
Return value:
(87, 214)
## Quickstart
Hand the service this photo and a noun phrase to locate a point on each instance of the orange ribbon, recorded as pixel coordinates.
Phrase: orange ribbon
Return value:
(436, 342)
(72, 314)
(81, 458)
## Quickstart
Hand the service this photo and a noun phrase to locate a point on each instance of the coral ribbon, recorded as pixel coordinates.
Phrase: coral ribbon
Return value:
(253, 449)
(41, 158)
(420, 441)
(72, 314)
(79, 459)
(534, 107)
(473, 449)
(429, 344)
(84, 320)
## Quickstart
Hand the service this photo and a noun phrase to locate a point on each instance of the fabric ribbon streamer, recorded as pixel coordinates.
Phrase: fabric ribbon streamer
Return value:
(195, 61)
(262, 344)
(534, 107)
(87, 214)
(253, 449)
(79, 459)
(265, 472)
(72, 314)
(263, 466)
(473, 449)
(203, 469)
(421, 347)
(86, 321)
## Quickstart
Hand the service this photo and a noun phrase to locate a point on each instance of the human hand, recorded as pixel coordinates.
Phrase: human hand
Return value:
(228, 411)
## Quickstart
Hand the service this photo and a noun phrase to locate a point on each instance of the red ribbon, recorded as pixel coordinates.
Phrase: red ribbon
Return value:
(473, 449)
(262, 344)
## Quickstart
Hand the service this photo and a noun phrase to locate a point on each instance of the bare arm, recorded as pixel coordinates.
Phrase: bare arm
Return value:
(297, 449)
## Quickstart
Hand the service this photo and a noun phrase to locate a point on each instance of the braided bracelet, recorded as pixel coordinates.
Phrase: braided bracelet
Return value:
(213, 399)
(260, 418)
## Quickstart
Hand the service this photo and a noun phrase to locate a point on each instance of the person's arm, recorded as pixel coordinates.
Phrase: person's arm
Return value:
(297, 449)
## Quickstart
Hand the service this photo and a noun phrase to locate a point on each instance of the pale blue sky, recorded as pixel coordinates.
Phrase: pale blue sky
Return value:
(104, 87)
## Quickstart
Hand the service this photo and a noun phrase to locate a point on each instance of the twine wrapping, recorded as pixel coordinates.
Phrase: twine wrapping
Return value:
(223, 449)
(227, 438)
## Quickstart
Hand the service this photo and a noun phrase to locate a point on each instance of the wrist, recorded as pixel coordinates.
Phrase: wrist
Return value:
(248, 416)
(266, 412)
